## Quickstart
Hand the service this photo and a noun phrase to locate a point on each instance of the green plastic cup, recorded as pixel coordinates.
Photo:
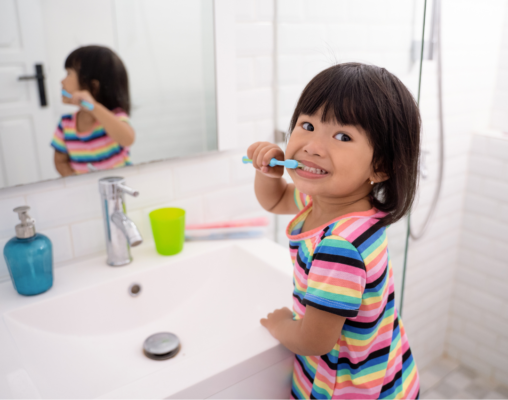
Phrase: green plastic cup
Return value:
(168, 227)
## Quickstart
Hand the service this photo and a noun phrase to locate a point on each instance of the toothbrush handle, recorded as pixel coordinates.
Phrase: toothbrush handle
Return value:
(274, 162)
(87, 105)
(291, 164)
(84, 103)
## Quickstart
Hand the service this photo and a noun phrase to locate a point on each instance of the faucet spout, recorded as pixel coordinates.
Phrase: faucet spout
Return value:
(120, 232)
(128, 228)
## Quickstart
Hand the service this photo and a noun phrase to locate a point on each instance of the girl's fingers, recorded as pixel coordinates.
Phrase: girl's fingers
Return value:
(272, 153)
(255, 156)
(260, 157)
(251, 149)
(260, 154)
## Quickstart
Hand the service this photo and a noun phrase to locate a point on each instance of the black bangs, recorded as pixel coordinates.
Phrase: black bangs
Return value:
(372, 98)
(72, 61)
(344, 94)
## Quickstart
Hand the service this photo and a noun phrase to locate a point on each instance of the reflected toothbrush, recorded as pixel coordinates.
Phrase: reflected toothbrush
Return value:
(84, 103)
(291, 164)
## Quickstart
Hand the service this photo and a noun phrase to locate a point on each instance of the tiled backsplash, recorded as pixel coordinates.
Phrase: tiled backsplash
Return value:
(211, 187)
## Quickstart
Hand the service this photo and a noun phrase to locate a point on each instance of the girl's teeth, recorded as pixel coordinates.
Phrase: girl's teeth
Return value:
(314, 170)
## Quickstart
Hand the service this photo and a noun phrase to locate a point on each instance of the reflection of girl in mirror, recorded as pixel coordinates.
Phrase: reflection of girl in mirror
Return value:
(99, 138)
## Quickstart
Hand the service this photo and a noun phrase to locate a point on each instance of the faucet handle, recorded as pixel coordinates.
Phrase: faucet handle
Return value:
(128, 190)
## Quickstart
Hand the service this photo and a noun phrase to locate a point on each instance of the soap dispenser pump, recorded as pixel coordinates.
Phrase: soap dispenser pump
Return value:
(29, 257)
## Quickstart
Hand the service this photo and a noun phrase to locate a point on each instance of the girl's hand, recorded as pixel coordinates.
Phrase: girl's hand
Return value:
(82, 95)
(274, 318)
(261, 153)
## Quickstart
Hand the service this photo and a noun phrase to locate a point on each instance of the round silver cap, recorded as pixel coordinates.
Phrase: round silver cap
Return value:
(161, 346)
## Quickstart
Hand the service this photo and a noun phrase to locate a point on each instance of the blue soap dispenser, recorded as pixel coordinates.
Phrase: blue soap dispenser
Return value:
(29, 257)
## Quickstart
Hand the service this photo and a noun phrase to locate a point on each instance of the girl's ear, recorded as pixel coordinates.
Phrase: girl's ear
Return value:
(378, 177)
(377, 174)
(95, 87)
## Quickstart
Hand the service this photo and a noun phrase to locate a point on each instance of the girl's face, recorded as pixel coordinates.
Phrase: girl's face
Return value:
(338, 158)
(70, 83)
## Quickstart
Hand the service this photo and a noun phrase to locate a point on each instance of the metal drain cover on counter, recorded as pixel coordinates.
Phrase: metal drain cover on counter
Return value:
(161, 346)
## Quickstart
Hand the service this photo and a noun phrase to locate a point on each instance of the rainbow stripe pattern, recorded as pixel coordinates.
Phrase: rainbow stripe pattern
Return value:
(94, 147)
(344, 268)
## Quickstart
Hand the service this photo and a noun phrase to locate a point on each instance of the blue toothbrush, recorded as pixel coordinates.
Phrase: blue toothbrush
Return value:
(84, 103)
(291, 164)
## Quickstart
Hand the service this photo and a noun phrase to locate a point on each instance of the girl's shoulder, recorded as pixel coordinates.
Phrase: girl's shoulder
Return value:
(121, 114)
(119, 111)
(67, 121)
(358, 227)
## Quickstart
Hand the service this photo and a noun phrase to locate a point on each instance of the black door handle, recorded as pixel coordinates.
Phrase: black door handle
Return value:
(39, 75)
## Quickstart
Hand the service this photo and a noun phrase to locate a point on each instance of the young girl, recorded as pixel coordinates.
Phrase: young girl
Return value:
(356, 131)
(100, 138)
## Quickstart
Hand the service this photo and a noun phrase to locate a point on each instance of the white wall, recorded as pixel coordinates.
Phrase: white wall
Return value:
(254, 49)
(470, 59)
(500, 106)
(478, 330)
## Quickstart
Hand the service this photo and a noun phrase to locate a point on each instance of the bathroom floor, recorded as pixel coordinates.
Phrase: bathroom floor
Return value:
(448, 379)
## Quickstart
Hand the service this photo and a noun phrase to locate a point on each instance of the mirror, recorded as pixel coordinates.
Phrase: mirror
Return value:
(167, 48)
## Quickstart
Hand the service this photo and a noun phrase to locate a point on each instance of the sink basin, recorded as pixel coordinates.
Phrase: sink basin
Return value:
(88, 342)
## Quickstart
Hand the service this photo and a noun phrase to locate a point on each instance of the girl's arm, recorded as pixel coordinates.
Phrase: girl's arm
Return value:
(272, 191)
(62, 164)
(314, 335)
(120, 131)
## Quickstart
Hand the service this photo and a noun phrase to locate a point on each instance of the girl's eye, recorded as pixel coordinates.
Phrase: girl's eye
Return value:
(307, 126)
(342, 137)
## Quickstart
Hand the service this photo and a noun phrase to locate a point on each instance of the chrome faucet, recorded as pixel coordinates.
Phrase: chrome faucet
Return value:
(121, 232)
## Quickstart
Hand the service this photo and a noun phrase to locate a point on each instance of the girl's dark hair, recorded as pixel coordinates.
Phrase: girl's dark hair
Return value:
(377, 101)
(103, 65)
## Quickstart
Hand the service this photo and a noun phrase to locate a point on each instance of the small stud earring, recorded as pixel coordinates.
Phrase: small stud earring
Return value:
(371, 182)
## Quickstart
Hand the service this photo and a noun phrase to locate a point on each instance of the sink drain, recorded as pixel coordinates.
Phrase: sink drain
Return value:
(134, 289)
(161, 346)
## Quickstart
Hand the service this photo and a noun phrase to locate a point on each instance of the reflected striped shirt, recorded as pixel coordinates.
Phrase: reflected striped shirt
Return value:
(344, 268)
(94, 147)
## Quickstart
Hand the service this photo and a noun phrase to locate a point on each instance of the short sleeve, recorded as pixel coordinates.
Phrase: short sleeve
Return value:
(301, 199)
(336, 279)
(122, 115)
(58, 141)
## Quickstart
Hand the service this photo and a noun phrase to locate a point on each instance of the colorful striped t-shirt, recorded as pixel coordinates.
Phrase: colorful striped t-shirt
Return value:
(94, 147)
(343, 267)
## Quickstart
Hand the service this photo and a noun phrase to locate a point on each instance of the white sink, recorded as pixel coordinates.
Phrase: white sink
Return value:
(86, 341)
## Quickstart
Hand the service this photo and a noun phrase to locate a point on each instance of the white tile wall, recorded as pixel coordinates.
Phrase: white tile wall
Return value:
(479, 308)
(499, 117)
(254, 46)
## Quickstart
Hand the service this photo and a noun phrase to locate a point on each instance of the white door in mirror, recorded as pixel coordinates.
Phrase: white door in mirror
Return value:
(25, 125)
